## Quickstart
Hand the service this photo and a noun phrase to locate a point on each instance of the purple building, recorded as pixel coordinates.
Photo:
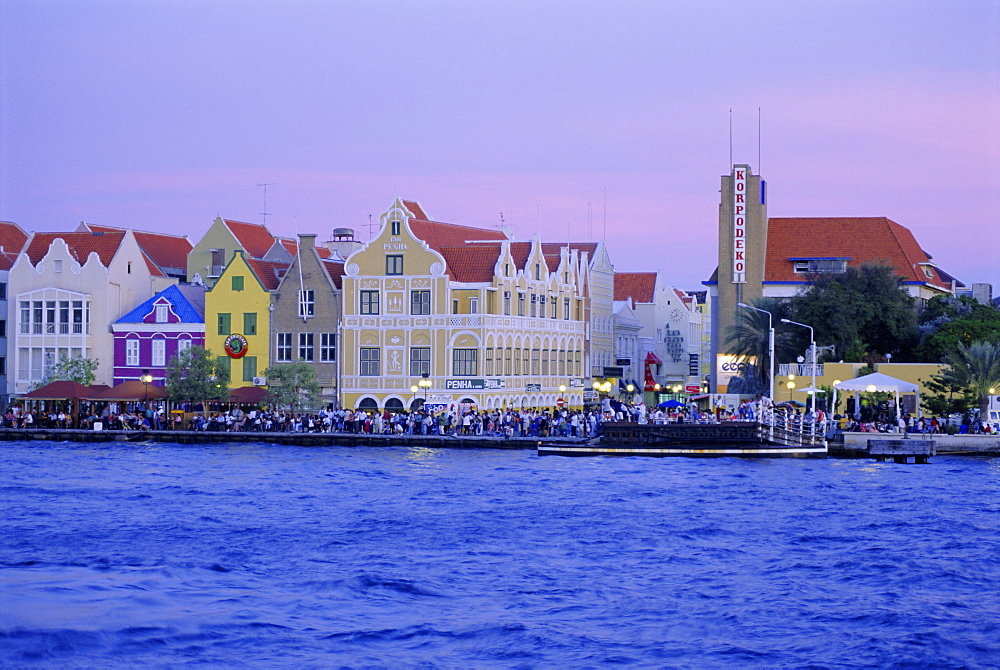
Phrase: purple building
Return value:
(151, 334)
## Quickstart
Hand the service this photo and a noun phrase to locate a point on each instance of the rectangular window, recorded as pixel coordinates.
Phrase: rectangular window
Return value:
(64, 317)
(183, 345)
(369, 362)
(488, 362)
(159, 358)
(395, 227)
(562, 363)
(517, 362)
(534, 305)
(536, 364)
(473, 305)
(306, 347)
(327, 347)
(420, 302)
(541, 306)
(579, 365)
(506, 362)
(420, 361)
(238, 283)
(3, 365)
(307, 303)
(526, 365)
(545, 362)
(250, 323)
(369, 302)
(161, 313)
(218, 262)
(25, 317)
(3, 327)
(224, 322)
(506, 303)
(132, 352)
(465, 362)
(249, 368)
(283, 348)
(566, 308)
(50, 316)
(58, 266)
(520, 304)
(36, 317)
(3, 290)
(394, 265)
(78, 317)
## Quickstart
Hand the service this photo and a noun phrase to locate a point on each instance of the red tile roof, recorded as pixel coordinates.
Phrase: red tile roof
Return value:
(80, 245)
(255, 239)
(168, 252)
(289, 245)
(12, 238)
(324, 252)
(860, 239)
(336, 271)
(438, 235)
(639, 286)
(472, 263)
(268, 272)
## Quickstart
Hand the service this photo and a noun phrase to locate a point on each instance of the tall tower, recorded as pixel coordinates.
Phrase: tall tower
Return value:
(742, 250)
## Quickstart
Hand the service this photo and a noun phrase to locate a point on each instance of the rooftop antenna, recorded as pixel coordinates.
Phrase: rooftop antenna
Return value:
(758, 141)
(265, 212)
(604, 234)
(730, 137)
(590, 221)
(370, 227)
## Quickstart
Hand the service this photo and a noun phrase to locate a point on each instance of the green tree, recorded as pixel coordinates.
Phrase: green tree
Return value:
(749, 339)
(976, 366)
(79, 370)
(948, 320)
(865, 309)
(194, 375)
(947, 396)
(293, 385)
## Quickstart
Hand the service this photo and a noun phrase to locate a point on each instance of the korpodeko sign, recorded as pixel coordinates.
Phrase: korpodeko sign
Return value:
(739, 224)
(474, 384)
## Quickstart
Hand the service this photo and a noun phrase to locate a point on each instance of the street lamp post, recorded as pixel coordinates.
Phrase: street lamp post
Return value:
(146, 379)
(425, 384)
(812, 344)
(770, 344)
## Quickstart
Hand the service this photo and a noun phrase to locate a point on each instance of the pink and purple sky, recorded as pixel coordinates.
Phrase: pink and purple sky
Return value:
(163, 115)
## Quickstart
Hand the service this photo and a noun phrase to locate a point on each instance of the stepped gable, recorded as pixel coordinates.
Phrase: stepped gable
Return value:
(860, 239)
(335, 270)
(269, 273)
(255, 239)
(12, 241)
(81, 245)
(553, 250)
(168, 252)
(639, 286)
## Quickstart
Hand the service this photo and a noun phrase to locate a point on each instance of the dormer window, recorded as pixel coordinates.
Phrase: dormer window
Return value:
(161, 313)
(538, 271)
(928, 272)
(395, 227)
(819, 265)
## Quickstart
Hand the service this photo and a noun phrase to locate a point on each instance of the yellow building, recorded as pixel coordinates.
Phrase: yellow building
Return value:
(479, 319)
(237, 317)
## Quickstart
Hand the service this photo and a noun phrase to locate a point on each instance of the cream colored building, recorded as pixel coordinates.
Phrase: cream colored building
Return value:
(486, 321)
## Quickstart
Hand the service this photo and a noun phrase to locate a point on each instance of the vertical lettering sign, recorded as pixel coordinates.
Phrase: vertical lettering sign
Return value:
(739, 224)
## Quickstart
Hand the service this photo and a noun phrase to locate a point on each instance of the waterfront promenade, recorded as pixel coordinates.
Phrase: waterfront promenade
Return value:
(854, 445)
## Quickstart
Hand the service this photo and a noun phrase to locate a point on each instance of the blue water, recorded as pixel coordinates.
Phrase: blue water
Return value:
(270, 556)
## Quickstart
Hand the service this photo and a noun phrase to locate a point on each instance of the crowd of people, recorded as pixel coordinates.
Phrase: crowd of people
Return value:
(470, 421)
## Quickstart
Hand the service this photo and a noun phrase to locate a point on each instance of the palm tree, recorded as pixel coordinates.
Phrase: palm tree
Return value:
(748, 339)
(976, 366)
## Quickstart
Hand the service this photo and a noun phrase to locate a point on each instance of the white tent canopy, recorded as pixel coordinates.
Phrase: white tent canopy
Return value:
(880, 383)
